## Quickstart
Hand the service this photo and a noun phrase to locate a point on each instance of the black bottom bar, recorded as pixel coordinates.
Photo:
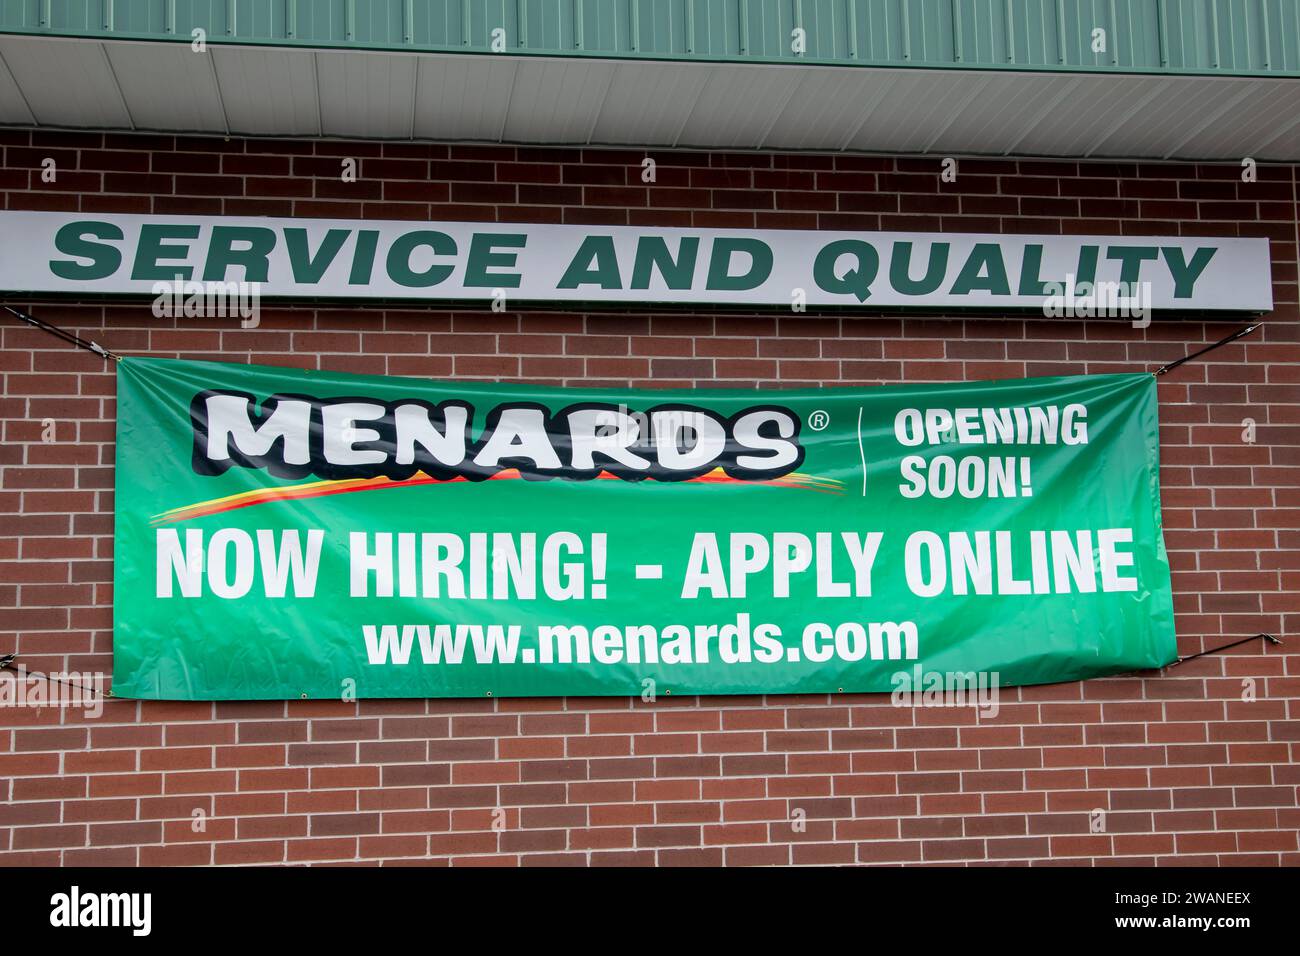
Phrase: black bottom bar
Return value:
(467, 907)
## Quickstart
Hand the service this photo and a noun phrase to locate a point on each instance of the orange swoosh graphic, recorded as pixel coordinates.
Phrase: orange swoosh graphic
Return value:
(321, 489)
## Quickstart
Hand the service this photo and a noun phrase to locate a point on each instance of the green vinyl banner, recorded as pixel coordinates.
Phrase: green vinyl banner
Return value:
(284, 534)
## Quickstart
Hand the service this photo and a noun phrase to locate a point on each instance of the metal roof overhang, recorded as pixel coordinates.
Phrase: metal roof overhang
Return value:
(256, 89)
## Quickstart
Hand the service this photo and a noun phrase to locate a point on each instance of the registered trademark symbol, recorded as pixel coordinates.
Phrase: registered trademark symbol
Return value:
(818, 420)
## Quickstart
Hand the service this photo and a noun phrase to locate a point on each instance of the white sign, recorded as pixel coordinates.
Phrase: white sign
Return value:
(345, 258)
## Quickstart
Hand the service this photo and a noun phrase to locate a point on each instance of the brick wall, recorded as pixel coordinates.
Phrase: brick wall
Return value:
(1188, 771)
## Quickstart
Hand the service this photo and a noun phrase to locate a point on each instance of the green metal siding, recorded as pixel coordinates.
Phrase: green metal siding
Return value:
(1236, 37)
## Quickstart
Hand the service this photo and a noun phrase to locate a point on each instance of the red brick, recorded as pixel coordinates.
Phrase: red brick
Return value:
(1186, 770)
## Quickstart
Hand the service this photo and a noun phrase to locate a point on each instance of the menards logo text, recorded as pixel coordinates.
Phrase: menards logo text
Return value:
(294, 436)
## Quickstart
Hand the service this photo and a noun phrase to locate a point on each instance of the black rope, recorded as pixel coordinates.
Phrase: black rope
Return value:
(64, 334)
(1164, 369)
(1240, 333)
(7, 663)
(1223, 647)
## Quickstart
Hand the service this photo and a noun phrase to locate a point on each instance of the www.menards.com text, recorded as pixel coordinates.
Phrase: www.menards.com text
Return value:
(737, 642)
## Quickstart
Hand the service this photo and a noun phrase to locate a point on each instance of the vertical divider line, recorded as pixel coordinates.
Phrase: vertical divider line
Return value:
(862, 453)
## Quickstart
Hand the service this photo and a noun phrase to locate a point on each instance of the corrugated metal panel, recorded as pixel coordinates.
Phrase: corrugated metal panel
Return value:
(1164, 36)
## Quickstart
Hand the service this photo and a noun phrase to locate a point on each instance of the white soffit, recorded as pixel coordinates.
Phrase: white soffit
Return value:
(369, 97)
(645, 102)
(462, 98)
(267, 91)
(557, 100)
(737, 109)
(66, 85)
(270, 95)
(188, 95)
